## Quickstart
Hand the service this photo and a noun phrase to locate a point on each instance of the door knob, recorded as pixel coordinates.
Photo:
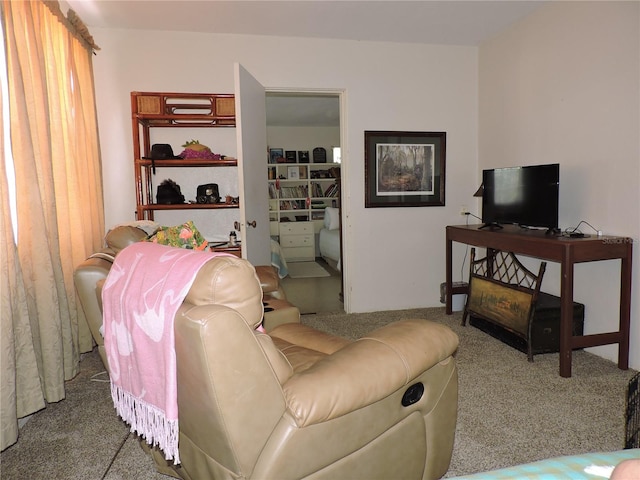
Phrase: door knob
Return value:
(236, 225)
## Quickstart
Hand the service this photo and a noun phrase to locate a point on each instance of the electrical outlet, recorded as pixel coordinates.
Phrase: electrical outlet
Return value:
(464, 210)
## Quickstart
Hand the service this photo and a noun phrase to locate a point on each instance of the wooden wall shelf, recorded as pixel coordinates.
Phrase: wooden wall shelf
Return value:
(224, 162)
(181, 110)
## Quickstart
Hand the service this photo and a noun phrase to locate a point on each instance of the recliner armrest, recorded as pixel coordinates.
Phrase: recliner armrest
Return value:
(270, 281)
(368, 370)
(268, 277)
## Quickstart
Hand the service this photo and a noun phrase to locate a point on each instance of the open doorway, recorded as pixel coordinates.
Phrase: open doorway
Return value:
(304, 141)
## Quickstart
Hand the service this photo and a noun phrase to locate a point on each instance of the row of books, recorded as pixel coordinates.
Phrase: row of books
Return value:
(332, 190)
(301, 191)
(292, 205)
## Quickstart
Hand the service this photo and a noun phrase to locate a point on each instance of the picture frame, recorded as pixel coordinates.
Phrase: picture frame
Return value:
(291, 156)
(293, 173)
(303, 156)
(404, 169)
(275, 154)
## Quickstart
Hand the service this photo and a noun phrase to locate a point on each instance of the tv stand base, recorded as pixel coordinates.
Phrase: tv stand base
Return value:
(491, 226)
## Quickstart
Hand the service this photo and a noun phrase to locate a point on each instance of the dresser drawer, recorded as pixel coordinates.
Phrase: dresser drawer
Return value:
(296, 228)
(297, 241)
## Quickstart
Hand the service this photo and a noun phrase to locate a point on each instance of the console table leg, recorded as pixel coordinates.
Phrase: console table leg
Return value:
(625, 308)
(566, 314)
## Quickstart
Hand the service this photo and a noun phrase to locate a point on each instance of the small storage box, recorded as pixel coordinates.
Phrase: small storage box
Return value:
(459, 292)
(545, 331)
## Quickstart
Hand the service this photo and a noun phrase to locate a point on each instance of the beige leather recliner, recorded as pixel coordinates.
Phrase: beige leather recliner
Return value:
(89, 277)
(299, 403)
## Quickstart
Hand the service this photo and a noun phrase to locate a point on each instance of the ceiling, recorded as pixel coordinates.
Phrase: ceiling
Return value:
(445, 22)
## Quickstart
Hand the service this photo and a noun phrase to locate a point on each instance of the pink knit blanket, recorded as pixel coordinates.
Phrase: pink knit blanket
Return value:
(141, 295)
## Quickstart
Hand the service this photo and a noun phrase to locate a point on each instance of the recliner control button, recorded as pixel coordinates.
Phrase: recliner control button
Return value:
(413, 394)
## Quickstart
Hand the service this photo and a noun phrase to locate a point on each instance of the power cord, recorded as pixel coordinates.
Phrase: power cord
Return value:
(575, 232)
(466, 252)
(94, 377)
(115, 455)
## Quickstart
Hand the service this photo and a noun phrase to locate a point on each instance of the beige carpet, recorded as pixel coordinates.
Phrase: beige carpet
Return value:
(306, 270)
(510, 411)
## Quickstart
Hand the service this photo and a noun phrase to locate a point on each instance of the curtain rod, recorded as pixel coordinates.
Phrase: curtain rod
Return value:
(74, 24)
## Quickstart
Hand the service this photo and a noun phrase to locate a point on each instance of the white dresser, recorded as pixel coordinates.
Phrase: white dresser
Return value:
(297, 240)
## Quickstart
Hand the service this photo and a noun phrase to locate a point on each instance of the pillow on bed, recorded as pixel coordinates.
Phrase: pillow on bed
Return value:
(331, 218)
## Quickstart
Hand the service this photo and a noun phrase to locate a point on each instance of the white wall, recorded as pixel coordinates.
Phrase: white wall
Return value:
(563, 86)
(394, 256)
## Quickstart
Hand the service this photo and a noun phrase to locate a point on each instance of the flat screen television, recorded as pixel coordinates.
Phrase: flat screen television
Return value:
(526, 196)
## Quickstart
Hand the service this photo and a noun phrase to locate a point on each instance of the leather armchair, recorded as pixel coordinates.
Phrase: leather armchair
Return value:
(89, 277)
(299, 403)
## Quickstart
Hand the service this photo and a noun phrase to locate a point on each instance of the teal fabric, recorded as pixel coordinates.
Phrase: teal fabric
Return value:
(575, 467)
(277, 259)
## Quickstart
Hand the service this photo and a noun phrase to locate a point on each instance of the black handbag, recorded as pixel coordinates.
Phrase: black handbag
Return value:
(208, 193)
(169, 193)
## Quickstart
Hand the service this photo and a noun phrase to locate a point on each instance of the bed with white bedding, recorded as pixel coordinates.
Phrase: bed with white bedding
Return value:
(277, 259)
(329, 237)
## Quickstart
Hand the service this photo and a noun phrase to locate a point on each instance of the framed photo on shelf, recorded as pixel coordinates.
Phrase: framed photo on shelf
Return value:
(291, 156)
(303, 156)
(276, 155)
(293, 173)
(404, 169)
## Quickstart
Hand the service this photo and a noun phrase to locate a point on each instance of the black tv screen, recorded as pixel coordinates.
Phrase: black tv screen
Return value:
(526, 196)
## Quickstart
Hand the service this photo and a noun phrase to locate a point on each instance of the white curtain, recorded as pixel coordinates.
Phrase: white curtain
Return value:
(60, 215)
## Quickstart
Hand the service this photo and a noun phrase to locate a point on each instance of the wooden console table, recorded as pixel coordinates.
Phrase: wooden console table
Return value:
(567, 251)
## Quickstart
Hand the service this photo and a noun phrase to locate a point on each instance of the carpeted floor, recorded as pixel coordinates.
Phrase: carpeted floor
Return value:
(510, 411)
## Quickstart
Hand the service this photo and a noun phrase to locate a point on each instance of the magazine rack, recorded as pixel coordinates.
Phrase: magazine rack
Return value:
(504, 292)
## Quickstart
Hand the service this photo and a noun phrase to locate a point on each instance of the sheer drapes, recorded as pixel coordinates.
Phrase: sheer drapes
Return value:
(59, 206)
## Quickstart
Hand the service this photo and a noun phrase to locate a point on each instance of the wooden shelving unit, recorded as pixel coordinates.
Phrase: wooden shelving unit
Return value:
(303, 196)
(175, 110)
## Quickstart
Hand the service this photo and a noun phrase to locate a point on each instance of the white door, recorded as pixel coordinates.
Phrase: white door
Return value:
(251, 128)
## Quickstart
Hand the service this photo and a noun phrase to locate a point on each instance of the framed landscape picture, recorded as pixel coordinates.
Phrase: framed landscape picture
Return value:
(404, 169)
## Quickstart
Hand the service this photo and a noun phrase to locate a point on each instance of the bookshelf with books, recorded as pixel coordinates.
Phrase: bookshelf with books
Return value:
(299, 192)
